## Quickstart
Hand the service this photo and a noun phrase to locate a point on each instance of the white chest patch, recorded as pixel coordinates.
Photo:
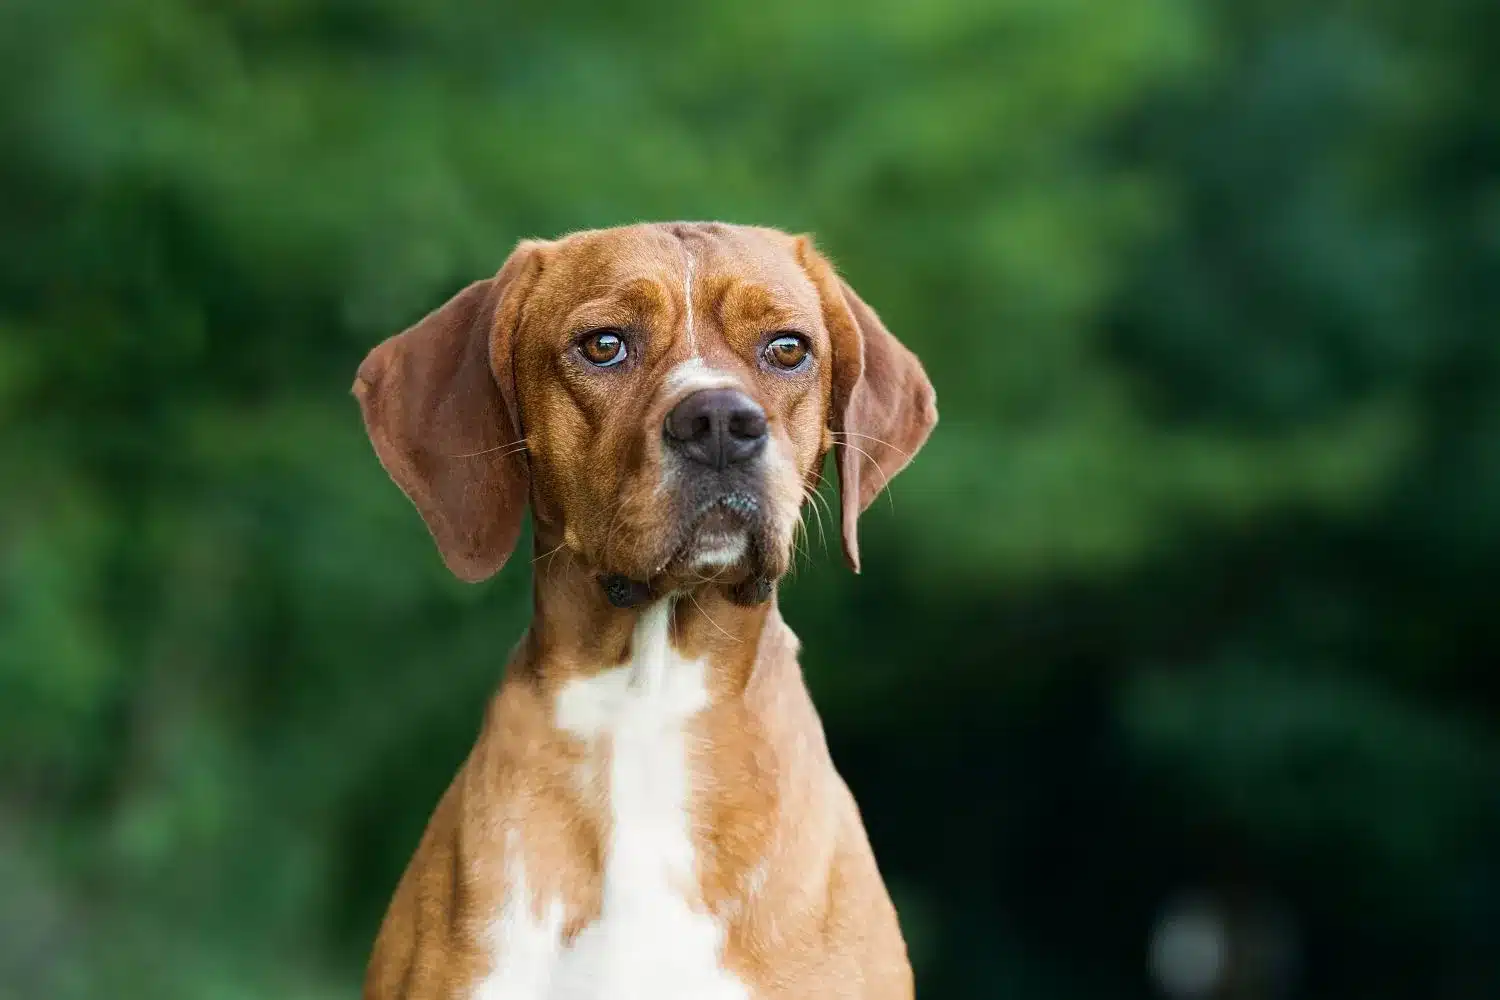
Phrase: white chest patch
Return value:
(647, 942)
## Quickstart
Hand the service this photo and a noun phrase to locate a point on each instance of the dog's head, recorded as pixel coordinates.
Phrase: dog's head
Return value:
(662, 396)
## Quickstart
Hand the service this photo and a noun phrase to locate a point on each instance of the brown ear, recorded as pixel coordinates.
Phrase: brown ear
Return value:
(438, 401)
(883, 405)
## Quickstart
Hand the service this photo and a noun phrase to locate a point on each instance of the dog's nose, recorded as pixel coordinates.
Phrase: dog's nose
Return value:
(717, 427)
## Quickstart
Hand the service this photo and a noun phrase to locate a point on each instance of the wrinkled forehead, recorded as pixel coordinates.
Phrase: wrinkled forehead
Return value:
(691, 278)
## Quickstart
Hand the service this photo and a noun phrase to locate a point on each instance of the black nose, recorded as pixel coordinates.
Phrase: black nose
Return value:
(717, 427)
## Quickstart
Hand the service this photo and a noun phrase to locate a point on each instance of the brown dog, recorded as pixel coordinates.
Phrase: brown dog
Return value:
(650, 810)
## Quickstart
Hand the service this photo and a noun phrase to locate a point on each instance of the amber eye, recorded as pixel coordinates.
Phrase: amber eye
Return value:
(787, 352)
(603, 348)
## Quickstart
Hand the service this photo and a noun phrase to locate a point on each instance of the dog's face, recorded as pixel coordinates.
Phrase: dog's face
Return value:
(674, 392)
(661, 395)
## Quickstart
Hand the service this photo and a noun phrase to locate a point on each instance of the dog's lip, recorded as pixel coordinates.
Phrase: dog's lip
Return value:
(715, 529)
(737, 502)
(738, 511)
(721, 549)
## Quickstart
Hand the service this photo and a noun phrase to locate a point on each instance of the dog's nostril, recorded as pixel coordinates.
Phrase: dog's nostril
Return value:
(747, 423)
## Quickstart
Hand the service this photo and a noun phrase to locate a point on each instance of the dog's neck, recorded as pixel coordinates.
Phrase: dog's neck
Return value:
(576, 630)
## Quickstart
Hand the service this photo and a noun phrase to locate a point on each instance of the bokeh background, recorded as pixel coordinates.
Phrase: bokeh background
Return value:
(1173, 668)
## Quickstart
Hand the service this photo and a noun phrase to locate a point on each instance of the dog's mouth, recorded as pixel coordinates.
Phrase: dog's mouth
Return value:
(724, 540)
(721, 535)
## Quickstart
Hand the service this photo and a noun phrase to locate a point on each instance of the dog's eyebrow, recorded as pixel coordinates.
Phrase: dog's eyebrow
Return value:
(763, 304)
(633, 298)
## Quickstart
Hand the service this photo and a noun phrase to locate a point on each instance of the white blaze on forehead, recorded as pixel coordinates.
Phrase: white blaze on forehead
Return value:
(693, 374)
(687, 296)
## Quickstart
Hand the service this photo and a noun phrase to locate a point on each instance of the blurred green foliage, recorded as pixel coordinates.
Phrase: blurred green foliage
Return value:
(1192, 591)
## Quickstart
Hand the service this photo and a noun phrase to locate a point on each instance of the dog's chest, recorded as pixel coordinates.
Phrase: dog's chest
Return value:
(647, 941)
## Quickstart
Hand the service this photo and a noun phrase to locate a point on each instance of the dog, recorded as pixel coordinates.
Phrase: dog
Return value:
(650, 809)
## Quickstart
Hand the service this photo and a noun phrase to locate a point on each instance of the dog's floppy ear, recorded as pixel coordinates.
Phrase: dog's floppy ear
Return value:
(883, 406)
(439, 404)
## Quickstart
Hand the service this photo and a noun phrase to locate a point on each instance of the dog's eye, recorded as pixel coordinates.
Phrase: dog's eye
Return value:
(603, 348)
(787, 352)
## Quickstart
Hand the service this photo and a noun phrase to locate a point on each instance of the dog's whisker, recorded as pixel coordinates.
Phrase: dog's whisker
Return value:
(801, 545)
(815, 498)
(804, 530)
(871, 437)
(548, 554)
(509, 448)
(810, 498)
(614, 524)
(709, 618)
(885, 479)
